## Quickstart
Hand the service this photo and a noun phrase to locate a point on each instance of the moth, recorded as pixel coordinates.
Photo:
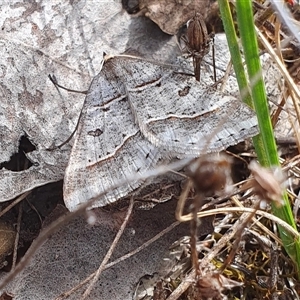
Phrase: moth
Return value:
(138, 114)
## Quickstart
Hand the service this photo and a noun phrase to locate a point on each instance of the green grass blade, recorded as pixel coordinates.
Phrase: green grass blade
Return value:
(237, 63)
(265, 145)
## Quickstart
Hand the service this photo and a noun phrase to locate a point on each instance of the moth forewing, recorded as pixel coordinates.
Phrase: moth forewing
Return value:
(132, 100)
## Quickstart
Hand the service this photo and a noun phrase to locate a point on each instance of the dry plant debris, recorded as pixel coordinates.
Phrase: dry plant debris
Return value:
(171, 15)
(7, 240)
(197, 41)
(259, 268)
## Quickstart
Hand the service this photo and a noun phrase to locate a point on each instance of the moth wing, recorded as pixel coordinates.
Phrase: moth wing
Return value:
(137, 112)
(185, 117)
(108, 145)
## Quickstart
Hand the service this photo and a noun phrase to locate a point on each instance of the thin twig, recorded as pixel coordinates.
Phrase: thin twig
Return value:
(10, 206)
(36, 211)
(110, 251)
(184, 285)
(280, 65)
(194, 234)
(15, 254)
(225, 210)
(259, 224)
(63, 220)
(238, 237)
(124, 257)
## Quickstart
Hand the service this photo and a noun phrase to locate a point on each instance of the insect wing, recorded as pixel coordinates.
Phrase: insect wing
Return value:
(108, 144)
(137, 112)
(180, 114)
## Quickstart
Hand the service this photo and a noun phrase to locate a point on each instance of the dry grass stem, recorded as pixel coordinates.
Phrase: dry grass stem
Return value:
(9, 207)
(109, 252)
(14, 261)
(280, 65)
(117, 261)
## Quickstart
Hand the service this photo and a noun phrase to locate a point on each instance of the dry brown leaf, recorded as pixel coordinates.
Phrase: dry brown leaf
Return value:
(68, 43)
(170, 15)
(7, 239)
(76, 251)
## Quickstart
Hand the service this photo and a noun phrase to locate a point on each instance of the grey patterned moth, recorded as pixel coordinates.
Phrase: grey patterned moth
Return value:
(138, 114)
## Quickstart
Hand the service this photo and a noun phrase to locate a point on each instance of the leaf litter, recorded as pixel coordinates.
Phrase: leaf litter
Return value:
(251, 240)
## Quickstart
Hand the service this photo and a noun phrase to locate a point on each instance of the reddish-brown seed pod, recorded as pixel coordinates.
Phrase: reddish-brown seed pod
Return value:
(197, 41)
